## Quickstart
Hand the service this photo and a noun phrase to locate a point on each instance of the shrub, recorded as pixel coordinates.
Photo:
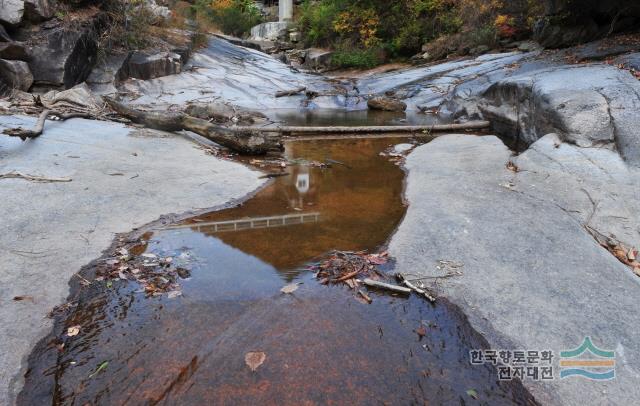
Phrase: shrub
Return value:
(402, 27)
(234, 17)
(357, 58)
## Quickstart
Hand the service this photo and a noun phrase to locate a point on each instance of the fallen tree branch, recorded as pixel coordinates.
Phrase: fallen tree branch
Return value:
(292, 92)
(413, 287)
(387, 286)
(471, 125)
(39, 127)
(247, 140)
(32, 178)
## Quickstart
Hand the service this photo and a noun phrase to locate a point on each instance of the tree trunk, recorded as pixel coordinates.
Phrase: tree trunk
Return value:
(245, 141)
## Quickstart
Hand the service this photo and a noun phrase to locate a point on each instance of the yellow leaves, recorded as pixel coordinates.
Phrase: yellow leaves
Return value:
(501, 19)
(361, 22)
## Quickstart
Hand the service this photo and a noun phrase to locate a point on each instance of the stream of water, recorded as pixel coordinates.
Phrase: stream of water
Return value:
(322, 345)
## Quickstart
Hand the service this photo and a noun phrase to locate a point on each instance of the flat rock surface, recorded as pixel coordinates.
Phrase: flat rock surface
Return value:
(121, 179)
(532, 277)
(237, 75)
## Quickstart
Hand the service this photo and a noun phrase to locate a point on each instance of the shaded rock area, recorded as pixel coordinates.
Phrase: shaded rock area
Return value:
(16, 74)
(13, 50)
(61, 56)
(120, 179)
(317, 59)
(568, 22)
(587, 106)
(533, 276)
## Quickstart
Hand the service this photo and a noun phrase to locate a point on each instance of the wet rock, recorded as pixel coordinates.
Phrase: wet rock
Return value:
(16, 74)
(13, 50)
(386, 104)
(38, 10)
(11, 12)
(141, 65)
(317, 59)
(63, 56)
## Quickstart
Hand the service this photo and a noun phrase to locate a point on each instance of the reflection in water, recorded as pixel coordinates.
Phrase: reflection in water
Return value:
(321, 345)
(350, 207)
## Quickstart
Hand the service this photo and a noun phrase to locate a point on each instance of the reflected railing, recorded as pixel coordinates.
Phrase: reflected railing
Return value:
(252, 223)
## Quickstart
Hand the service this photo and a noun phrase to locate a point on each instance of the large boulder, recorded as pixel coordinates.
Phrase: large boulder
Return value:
(15, 74)
(11, 12)
(141, 65)
(63, 56)
(386, 104)
(317, 59)
(38, 10)
(568, 22)
(590, 106)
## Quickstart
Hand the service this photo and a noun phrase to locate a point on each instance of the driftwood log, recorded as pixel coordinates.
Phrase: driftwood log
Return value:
(471, 125)
(291, 92)
(246, 140)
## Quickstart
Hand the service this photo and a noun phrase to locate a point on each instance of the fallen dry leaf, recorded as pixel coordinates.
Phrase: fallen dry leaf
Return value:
(254, 359)
(73, 331)
(421, 331)
(289, 288)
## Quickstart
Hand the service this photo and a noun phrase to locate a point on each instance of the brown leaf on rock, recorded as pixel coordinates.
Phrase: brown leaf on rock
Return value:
(254, 359)
(421, 331)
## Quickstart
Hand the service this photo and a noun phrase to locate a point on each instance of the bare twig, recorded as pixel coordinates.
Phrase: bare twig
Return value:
(32, 178)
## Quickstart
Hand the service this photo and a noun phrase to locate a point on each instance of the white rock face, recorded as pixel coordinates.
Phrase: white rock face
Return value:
(269, 31)
(11, 11)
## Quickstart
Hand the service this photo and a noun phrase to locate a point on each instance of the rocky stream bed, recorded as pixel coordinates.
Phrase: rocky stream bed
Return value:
(536, 228)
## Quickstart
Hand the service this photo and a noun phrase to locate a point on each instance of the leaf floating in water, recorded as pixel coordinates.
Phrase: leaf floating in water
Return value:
(254, 359)
(100, 368)
(472, 393)
(73, 331)
(289, 288)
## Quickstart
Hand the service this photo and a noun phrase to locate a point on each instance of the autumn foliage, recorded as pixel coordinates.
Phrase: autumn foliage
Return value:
(401, 28)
